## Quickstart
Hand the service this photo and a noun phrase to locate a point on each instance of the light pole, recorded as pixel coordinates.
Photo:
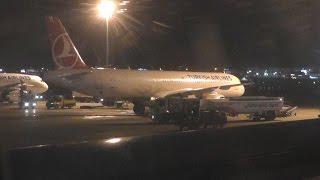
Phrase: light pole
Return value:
(106, 9)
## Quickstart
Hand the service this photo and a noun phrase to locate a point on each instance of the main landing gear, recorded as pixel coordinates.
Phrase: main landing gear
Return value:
(139, 108)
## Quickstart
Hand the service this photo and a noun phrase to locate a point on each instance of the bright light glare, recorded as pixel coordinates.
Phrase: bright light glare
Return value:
(113, 140)
(106, 8)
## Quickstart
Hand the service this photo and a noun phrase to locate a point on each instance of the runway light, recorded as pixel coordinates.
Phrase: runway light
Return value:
(106, 9)
(113, 140)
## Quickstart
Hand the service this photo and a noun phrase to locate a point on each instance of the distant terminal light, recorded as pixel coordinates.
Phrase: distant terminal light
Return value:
(1, 70)
(23, 71)
(123, 3)
(313, 77)
(113, 140)
(304, 71)
(226, 70)
(244, 79)
(293, 76)
(100, 68)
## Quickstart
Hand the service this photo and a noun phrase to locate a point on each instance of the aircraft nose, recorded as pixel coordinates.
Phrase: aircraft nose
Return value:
(44, 87)
(241, 90)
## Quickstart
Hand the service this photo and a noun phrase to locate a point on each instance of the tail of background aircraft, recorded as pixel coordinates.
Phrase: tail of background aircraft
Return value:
(64, 53)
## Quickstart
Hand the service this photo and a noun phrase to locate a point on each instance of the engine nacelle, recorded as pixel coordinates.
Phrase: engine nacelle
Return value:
(214, 96)
(12, 96)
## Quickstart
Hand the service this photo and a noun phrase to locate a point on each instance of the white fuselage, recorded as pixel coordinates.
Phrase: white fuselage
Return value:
(15, 80)
(132, 84)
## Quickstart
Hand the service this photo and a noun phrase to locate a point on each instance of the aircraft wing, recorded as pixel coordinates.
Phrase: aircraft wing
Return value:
(198, 91)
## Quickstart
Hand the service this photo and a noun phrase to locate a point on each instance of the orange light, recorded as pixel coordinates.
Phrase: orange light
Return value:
(106, 9)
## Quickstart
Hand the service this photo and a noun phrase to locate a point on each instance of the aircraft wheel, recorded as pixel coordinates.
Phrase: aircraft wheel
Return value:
(270, 116)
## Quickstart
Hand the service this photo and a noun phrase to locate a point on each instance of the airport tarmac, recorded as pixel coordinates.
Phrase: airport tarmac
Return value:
(20, 128)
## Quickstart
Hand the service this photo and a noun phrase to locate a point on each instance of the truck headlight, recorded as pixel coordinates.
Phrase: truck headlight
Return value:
(26, 104)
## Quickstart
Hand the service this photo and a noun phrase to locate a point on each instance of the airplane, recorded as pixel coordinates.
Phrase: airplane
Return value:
(136, 86)
(12, 83)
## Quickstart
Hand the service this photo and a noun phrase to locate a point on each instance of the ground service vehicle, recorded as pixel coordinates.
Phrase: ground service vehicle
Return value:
(185, 112)
(195, 112)
(256, 107)
(27, 100)
(27, 104)
(58, 102)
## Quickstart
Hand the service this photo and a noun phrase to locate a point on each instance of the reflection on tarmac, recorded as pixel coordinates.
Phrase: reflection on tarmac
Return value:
(41, 126)
(98, 117)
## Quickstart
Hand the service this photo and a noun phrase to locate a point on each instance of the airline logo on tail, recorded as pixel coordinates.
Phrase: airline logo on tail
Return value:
(64, 53)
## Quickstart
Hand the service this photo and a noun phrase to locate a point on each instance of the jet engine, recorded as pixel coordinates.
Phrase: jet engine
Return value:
(214, 96)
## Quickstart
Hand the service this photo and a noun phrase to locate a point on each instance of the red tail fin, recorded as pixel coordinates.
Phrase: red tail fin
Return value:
(64, 53)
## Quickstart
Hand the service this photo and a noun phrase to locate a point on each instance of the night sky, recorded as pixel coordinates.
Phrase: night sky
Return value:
(164, 33)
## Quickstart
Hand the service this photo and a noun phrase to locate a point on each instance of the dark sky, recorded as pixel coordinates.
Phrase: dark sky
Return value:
(153, 33)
